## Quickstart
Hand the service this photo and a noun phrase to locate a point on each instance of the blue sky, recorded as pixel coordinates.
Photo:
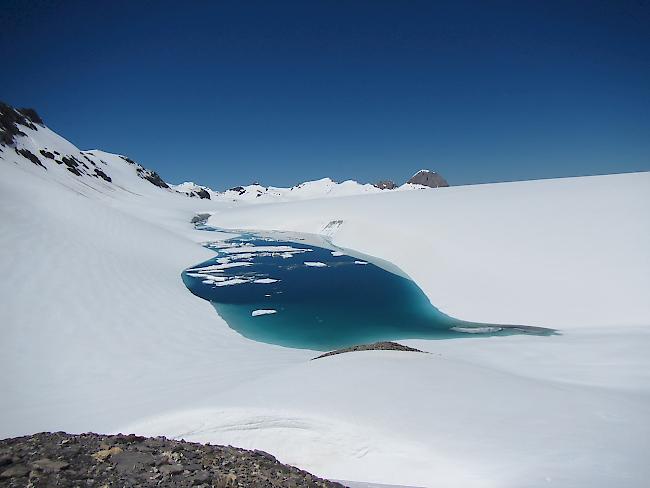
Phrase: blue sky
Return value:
(226, 93)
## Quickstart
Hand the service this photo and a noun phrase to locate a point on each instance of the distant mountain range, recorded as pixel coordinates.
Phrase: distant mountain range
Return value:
(25, 139)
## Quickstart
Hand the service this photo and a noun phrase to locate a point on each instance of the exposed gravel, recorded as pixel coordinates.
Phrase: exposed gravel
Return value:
(103, 461)
(376, 346)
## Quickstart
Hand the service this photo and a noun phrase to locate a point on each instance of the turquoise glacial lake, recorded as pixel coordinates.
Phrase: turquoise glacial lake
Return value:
(300, 291)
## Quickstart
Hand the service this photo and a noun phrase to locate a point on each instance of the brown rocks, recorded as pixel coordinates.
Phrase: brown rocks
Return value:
(104, 454)
(60, 459)
(16, 471)
(49, 466)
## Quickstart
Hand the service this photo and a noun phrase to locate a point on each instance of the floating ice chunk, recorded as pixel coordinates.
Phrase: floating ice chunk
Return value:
(360, 262)
(234, 281)
(245, 255)
(315, 264)
(255, 313)
(207, 276)
(337, 253)
(258, 249)
(476, 330)
(219, 267)
(222, 245)
(265, 280)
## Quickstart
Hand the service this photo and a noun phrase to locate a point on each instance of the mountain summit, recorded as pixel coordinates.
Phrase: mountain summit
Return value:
(428, 178)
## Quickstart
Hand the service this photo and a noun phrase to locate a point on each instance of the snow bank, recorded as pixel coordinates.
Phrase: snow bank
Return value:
(557, 253)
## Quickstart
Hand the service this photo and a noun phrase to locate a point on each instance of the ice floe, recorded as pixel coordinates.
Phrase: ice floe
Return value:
(315, 264)
(218, 268)
(476, 330)
(234, 281)
(260, 249)
(256, 313)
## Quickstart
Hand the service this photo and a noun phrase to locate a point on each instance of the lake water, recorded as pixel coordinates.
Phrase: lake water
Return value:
(300, 291)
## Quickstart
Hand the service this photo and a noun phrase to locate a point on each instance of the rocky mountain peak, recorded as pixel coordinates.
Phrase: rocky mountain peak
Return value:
(429, 178)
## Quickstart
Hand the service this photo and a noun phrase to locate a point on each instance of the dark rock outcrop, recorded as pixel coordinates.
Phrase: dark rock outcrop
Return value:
(26, 153)
(32, 115)
(199, 193)
(60, 459)
(376, 346)
(385, 185)
(239, 189)
(152, 177)
(200, 218)
(147, 174)
(46, 154)
(428, 178)
(104, 176)
(10, 120)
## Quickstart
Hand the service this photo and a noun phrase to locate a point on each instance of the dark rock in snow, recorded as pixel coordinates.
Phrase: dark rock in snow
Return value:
(200, 218)
(239, 189)
(202, 193)
(31, 156)
(130, 161)
(152, 177)
(101, 174)
(428, 178)
(376, 346)
(31, 114)
(10, 119)
(385, 185)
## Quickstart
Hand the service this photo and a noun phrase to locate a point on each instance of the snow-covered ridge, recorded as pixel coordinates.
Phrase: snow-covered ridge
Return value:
(27, 141)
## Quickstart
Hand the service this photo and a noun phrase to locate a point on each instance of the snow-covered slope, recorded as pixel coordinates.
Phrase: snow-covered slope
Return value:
(100, 334)
(564, 253)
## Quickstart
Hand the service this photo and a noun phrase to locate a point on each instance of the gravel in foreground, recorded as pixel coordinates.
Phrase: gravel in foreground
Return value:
(103, 461)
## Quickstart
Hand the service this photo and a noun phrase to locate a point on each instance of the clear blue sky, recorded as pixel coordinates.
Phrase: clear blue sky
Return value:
(225, 93)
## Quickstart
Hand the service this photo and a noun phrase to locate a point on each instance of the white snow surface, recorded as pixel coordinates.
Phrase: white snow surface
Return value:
(100, 334)
(563, 253)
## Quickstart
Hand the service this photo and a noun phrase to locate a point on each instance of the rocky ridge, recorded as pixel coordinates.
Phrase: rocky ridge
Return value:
(60, 459)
